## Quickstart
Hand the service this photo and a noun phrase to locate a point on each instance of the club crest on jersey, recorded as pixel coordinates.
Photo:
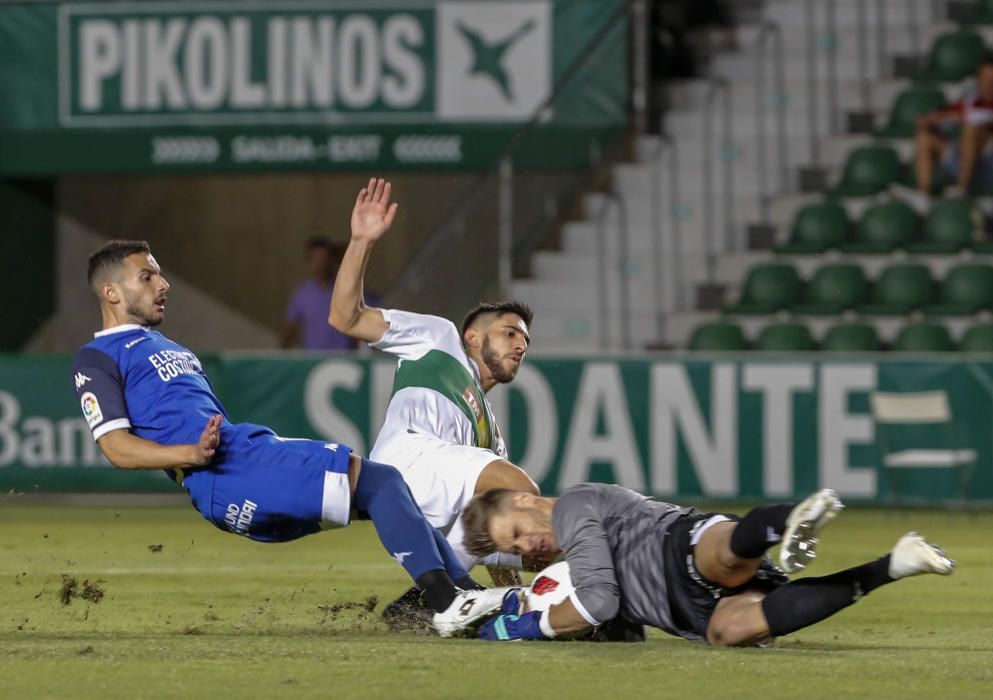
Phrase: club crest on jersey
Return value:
(91, 409)
(543, 585)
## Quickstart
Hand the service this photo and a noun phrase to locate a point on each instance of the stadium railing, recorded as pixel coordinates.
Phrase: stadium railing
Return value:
(516, 202)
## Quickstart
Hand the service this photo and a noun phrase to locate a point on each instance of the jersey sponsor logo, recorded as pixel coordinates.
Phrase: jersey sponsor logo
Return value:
(130, 344)
(91, 409)
(239, 518)
(170, 364)
(81, 379)
(400, 556)
(482, 426)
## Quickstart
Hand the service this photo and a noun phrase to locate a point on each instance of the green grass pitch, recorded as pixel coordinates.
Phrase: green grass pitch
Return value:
(191, 612)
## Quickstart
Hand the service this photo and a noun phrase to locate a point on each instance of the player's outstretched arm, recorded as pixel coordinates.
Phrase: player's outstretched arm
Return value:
(128, 451)
(371, 218)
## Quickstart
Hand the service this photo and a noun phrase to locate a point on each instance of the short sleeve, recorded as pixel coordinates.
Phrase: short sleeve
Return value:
(587, 549)
(294, 308)
(100, 392)
(411, 336)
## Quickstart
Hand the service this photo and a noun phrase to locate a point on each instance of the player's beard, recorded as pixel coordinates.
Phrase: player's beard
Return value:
(139, 314)
(493, 364)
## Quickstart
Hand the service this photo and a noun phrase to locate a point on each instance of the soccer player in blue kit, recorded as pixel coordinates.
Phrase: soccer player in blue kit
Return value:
(149, 405)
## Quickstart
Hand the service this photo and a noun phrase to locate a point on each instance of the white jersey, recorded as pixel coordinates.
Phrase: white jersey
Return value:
(439, 430)
(436, 390)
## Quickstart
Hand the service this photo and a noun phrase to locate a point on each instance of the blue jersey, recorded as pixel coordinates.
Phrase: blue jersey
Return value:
(258, 484)
(136, 378)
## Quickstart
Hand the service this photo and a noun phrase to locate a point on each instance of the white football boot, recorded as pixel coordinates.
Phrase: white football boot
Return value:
(803, 528)
(468, 610)
(914, 555)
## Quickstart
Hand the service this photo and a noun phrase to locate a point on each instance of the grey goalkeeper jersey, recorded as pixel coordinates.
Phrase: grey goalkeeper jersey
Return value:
(612, 538)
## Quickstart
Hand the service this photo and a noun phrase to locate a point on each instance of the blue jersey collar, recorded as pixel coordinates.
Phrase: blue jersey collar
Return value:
(120, 329)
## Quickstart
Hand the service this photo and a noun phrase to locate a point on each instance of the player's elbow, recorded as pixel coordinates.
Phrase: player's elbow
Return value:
(114, 452)
(341, 322)
(601, 605)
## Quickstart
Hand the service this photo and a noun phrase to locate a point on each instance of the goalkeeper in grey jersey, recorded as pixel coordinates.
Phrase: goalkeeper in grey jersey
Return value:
(701, 576)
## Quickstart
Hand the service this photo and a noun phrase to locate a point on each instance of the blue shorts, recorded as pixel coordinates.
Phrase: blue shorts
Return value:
(272, 489)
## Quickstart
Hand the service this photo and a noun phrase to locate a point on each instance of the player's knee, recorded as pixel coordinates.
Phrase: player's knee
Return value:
(380, 477)
(738, 629)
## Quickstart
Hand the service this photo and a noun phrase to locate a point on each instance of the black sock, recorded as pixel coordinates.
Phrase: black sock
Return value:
(438, 588)
(801, 603)
(761, 528)
(468, 584)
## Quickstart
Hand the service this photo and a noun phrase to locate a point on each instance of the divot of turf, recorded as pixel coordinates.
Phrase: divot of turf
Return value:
(91, 590)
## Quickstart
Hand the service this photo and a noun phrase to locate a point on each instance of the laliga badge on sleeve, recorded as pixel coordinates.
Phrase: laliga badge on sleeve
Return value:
(91, 409)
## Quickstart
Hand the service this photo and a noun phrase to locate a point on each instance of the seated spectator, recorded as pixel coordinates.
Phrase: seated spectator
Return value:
(308, 308)
(967, 161)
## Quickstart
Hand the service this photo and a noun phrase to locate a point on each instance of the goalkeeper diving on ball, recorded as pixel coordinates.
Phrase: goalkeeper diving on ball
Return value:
(705, 577)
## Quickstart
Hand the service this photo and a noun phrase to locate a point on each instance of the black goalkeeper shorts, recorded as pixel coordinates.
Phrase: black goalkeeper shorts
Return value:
(692, 598)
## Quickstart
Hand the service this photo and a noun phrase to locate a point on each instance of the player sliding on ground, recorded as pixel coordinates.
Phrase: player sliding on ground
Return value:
(439, 430)
(150, 406)
(700, 576)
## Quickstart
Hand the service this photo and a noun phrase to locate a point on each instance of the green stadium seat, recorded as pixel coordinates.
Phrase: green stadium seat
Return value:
(900, 289)
(785, 337)
(967, 289)
(911, 104)
(816, 228)
(719, 336)
(884, 227)
(833, 289)
(979, 338)
(982, 13)
(769, 287)
(923, 337)
(851, 337)
(869, 170)
(947, 228)
(940, 178)
(954, 56)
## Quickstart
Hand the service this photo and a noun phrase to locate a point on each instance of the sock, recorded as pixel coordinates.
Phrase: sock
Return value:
(801, 603)
(761, 528)
(437, 588)
(467, 583)
(406, 535)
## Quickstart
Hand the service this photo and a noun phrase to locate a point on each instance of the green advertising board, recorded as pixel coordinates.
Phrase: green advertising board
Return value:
(303, 84)
(738, 428)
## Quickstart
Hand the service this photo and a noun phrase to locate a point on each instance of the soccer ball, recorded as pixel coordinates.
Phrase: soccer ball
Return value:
(551, 586)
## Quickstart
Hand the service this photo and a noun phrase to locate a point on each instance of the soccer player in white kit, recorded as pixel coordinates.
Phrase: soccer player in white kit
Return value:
(439, 431)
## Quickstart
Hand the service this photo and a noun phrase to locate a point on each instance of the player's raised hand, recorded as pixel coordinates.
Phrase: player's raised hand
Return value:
(210, 439)
(373, 213)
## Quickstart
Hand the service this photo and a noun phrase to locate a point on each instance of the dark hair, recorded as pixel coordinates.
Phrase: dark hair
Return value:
(110, 255)
(335, 250)
(476, 520)
(511, 306)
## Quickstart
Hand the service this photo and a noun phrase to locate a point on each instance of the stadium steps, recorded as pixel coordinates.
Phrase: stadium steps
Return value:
(641, 187)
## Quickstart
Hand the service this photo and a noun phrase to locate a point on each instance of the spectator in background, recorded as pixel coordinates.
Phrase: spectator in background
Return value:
(968, 161)
(307, 312)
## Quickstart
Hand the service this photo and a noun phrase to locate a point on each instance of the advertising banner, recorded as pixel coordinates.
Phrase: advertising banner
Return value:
(726, 429)
(302, 84)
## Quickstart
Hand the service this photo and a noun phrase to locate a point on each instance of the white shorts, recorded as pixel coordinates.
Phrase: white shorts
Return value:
(442, 477)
